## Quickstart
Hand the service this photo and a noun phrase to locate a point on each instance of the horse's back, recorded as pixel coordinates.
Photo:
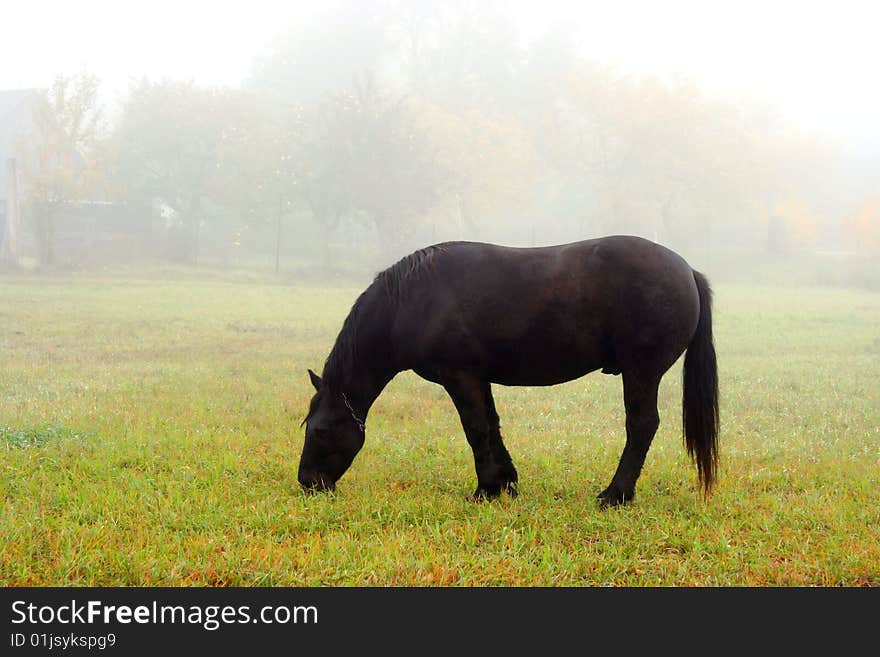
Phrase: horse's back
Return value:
(543, 315)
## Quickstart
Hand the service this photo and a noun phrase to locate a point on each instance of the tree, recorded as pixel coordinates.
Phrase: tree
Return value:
(364, 154)
(862, 229)
(58, 162)
(651, 157)
(460, 54)
(397, 173)
(490, 170)
(259, 166)
(169, 141)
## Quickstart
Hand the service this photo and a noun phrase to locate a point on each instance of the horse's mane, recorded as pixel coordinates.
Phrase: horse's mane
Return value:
(409, 269)
(388, 289)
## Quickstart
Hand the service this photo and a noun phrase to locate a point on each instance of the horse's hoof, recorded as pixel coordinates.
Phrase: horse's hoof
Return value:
(611, 497)
(511, 489)
(485, 494)
(318, 488)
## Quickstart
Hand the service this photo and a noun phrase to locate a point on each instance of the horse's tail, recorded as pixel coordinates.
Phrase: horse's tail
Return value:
(700, 420)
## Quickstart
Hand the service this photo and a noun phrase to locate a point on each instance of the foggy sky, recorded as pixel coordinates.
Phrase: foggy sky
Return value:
(813, 62)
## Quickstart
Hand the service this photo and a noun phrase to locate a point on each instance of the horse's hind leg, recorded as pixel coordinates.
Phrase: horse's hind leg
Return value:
(509, 476)
(642, 420)
(473, 400)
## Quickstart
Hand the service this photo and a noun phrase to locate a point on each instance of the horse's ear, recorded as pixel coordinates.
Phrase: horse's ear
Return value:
(316, 380)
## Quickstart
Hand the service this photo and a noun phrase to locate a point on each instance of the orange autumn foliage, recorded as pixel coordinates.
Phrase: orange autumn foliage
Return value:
(862, 229)
(799, 220)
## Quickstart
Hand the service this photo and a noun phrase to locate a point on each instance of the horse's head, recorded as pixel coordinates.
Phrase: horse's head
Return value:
(334, 436)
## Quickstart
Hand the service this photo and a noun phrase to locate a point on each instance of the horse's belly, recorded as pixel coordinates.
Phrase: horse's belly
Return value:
(544, 368)
(537, 379)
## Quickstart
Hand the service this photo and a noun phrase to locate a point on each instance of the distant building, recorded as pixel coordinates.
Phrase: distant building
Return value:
(93, 232)
(85, 231)
(16, 111)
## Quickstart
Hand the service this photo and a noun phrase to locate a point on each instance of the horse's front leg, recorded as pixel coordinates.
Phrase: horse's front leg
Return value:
(472, 399)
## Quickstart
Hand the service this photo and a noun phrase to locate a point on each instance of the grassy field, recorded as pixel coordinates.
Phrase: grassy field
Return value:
(150, 435)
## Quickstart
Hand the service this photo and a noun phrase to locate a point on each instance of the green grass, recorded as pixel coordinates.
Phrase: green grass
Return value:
(150, 435)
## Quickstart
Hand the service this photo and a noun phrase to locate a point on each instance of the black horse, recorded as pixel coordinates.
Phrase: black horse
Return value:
(465, 315)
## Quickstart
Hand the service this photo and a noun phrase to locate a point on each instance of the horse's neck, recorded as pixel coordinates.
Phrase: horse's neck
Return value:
(371, 371)
(372, 363)
(370, 390)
